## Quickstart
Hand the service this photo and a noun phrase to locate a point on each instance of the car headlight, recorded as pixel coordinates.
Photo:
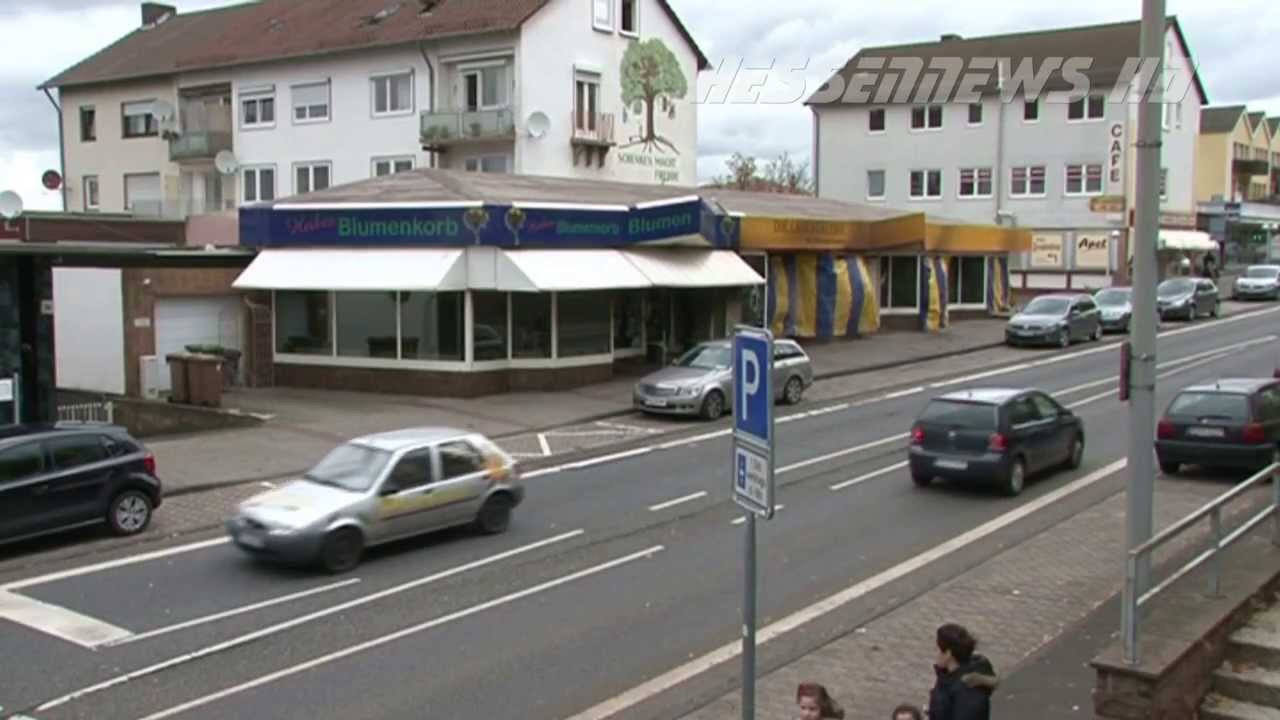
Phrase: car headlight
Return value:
(691, 391)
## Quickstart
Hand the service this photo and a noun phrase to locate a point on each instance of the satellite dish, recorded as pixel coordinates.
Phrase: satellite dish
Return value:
(51, 180)
(538, 124)
(226, 162)
(165, 114)
(10, 205)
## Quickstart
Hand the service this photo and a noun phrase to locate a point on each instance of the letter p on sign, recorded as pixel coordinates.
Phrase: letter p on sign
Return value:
(750, 384)
(753, 386)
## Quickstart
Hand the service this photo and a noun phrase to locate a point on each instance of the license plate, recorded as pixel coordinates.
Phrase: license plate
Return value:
(651, 402)
(952, 464)
(1206, 432)
(252, 541)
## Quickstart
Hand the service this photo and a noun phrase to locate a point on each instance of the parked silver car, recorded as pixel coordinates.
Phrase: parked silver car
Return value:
(1058, 319)
(380, 488)
(1116, 306)
(1259, 282)
(700, 382)
(1187, 298)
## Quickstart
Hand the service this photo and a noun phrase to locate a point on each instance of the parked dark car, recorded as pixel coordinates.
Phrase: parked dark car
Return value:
(993, 436)
(1116, 307)
(1187, 298)
(1231, 424)
(1058, 319)
(58, 477)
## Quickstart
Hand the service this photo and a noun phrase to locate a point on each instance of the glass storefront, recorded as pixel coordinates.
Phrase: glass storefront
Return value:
(628, 321)
(430, 326)
(490, 328)
(531, 325)
(584, 324)
(366, 324)
(303, 323)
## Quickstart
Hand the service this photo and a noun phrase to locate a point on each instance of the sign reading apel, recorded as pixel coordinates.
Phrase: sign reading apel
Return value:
(1093, 251)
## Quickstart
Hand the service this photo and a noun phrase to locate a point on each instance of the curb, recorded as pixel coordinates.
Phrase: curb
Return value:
(918, 359)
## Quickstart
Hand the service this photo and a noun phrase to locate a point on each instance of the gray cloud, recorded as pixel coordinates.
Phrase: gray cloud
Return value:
(27, 120)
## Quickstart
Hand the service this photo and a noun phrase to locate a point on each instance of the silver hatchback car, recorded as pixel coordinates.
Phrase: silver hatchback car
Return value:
(377, 489)
(700, 382)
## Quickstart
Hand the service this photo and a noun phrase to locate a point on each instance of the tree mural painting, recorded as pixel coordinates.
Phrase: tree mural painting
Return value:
(651, 75)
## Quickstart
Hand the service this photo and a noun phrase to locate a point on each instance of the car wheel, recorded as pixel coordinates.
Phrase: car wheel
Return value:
(1015, 478)
(341, 550)
(129, 512)
(793, 391)
(713, 405)
(1064, 339)
(1075, 453)
(1097, 333)
(1215, 312)
(921, 479)
(495, 515)
(1169, 467)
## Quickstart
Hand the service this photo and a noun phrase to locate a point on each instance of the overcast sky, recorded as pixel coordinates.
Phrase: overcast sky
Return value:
(1233, 42)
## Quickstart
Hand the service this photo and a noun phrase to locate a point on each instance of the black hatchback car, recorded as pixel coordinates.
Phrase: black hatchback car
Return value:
(58, 477)
(993, 436)
(1230, 424)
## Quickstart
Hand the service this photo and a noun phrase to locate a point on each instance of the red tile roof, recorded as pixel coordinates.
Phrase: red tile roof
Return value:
(270, 30)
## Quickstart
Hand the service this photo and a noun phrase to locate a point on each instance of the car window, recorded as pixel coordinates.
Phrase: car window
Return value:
(706, 357)
(119, 446)
(958, 413)
(787, 351)
(1269, 404)
(18, 463)
(1047, 306)
(1112, 297)
(75, 451)
(352, 467)
(1022, 411)
(1045, 408)
(1211, 406)
(413, 470)
(459, 458)
(1085, 305)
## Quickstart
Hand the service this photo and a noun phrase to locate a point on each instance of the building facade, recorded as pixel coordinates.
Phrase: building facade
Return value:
(1237, 177)
(1058, 163)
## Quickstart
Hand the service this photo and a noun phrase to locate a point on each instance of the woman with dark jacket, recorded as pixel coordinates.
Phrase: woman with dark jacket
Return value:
(965, 680)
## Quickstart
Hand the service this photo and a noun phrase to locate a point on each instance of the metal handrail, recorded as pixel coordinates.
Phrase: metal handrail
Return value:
(1133, 601)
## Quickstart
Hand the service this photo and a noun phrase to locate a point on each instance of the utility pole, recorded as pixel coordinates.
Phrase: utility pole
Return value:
(1141, 487)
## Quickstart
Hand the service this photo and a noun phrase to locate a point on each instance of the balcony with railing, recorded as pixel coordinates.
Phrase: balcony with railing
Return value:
(204, 116)
(442, 130)
(592, 136)
(198, 145)
(1242, 166)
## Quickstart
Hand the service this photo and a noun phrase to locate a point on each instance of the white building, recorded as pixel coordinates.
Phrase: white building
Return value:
(1063, 170)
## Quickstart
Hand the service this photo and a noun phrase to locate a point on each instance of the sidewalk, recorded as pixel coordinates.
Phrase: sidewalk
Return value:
(305, 424)
(1016, 603)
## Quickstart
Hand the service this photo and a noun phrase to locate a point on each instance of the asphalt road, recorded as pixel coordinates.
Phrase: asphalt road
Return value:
(613, 572)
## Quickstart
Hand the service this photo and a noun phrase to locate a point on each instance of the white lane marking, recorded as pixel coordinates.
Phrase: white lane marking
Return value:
(1211, 354)
(628, 428)
(1160, 376)
(743, 519)
(839, 453)
(230, 613)
(267, 485)
(406, 632)
(871, 475)
(283, 626)
(132, 559)
(678, 501)
(695, 667)
(58, 621)
(542, 443)
(904, 393)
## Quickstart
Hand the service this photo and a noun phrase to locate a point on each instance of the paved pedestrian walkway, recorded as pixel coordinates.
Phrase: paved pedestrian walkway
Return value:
(1015, 603)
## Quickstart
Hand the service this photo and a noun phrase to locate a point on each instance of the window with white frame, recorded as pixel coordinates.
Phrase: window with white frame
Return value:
(488, 163)
(1027, 181)
(899, 282)
(91, 199)
(602, 14)
(259, 184)
(1031, 110)
(967, 280)
(137, 120)
(142, 194)
(257, 108)
(926, 117)
(88, 124)
(586, 103)
(629, 21)
(925, 184)
(875, 120)
(484, 88)
(392, 165)
(392, 93)
(975, 113)
(311, 102)
(875, 184)
(1083, 179)
(1092, 107)
(975, 182)
(311, 176)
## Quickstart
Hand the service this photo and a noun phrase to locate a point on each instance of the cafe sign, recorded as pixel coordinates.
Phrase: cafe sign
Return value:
(1046, 251)
(1115, 155)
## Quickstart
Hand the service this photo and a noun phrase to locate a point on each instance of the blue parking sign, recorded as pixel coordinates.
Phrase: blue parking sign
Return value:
(753, 386)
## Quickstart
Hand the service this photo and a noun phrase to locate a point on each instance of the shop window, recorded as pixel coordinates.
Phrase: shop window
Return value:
(584, 324)
(430, 326)
(899, 281)
(531, 325)
(967, 281)
(628, 325)
(303, 324)
(366, 324)
(489, 313)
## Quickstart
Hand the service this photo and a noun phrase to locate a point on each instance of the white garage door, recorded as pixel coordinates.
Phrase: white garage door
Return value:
(196, 321)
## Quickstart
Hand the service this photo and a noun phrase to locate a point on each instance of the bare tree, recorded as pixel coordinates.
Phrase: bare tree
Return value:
(783, 174)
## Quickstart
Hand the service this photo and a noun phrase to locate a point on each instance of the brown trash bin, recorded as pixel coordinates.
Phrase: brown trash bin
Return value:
(178, 384)
(204, 378)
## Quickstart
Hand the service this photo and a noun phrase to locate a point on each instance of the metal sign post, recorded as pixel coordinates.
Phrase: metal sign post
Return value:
(752, 472)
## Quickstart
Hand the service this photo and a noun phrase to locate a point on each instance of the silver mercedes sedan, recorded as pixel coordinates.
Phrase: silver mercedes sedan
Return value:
(377, 489)
(700, 382)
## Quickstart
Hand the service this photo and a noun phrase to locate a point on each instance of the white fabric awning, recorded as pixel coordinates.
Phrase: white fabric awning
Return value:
(689, 268)
(366, 269)
(567, 270)
(1187, 240)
